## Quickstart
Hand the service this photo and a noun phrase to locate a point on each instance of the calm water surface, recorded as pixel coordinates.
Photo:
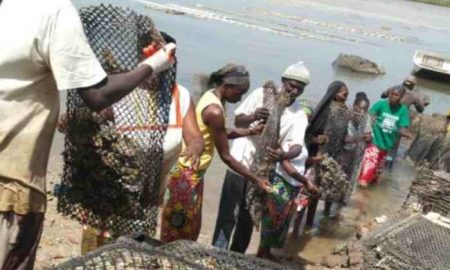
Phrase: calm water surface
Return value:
(268, 35)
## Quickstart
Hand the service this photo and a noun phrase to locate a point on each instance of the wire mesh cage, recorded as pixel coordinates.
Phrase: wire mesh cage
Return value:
(432, 189)
(112, 158)
(128, 253)
(411, 242)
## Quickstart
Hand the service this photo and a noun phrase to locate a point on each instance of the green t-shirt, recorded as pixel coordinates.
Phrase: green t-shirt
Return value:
(387, 124)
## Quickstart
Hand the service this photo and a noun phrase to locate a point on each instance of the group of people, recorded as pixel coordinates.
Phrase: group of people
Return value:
(48, 51)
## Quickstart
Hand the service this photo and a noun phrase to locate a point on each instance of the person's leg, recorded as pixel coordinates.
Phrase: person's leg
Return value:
(7, 230)
(369, 166)
(23, 250)
(312, 207)
(297, 222)
(232, 192)
(244, 228)
(327, 208)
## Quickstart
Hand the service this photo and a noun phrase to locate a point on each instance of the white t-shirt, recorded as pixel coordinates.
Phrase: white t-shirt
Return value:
(293, 125)
(43, 49)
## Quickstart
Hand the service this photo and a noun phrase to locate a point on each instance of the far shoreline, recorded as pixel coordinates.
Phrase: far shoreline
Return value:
(441, 3)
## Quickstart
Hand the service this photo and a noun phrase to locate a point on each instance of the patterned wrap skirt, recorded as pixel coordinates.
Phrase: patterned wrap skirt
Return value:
(182, 210)
(280, 207)
(371, 164)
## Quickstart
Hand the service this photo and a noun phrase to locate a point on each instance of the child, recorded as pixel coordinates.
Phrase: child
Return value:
(391, 120)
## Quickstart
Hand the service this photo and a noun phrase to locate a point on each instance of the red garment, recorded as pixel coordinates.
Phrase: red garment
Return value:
(372, 164)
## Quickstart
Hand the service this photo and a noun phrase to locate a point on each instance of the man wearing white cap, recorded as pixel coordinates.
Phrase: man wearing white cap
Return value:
(233, 214)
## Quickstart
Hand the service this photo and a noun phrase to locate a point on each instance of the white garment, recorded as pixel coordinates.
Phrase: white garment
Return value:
(173, 139)
(43, 49)
(293, 125)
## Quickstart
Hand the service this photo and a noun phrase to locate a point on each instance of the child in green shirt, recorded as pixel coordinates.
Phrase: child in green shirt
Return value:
(391, 120)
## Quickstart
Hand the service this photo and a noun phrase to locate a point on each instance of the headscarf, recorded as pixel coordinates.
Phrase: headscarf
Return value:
(230, 74)
(320, 114)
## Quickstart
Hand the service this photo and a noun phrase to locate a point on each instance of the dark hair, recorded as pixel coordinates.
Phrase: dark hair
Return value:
(231, 74)
(398, 88)
(360, 97)
(168, 38)
(215, 79)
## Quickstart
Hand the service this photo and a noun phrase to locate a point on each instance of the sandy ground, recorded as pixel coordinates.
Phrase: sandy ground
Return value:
(61, 238)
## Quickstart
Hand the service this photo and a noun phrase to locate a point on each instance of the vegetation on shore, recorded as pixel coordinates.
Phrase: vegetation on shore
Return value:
(443, 3)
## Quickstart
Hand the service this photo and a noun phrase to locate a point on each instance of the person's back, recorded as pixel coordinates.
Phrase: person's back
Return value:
(45, 50)
(29, 101)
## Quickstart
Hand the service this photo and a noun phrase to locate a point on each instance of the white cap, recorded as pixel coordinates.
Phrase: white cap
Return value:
(298, 72)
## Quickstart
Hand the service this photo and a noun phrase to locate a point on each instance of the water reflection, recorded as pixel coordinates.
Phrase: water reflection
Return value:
(365, 204)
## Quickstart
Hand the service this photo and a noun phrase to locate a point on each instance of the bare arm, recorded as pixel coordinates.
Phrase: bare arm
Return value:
(244, 121)
(278, 155)
(292, 172)
(192, 137)
(405, 133)
(233, 133)
(213, 117)
(115, 87)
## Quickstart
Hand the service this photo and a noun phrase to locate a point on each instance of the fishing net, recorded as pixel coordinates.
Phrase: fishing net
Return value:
(275, 102)
(127, 253)
(413, 242)
(112, 159)
(432, 190)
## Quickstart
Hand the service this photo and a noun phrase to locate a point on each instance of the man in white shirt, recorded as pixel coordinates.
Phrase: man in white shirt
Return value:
(44, 50)
(233, 214)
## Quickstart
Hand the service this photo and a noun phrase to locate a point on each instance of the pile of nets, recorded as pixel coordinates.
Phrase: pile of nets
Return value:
(112, 159)
(127, 253)
(412, 242)
(432, 189)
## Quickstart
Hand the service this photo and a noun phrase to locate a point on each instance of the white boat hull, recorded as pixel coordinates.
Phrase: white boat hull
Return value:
(439, 63)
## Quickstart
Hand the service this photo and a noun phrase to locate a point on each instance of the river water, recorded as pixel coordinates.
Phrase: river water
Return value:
(268, 35)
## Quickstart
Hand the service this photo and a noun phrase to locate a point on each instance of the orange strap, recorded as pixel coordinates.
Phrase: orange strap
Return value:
(179, 117)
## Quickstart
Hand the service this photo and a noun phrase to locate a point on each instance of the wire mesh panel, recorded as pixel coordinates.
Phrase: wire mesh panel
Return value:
(410, 243)
(127, 253)
(112, 159)
(276, 103)
(215, 258)
(432, 189)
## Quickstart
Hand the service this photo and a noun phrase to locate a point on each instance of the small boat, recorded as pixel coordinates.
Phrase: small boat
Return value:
(431, 62)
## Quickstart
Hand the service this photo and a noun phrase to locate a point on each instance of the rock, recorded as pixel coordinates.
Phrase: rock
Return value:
(355, 258)
(345, 261)
(354, 247)
(314, 267)
(362, 232)
(331, 261)
(341, 249)
(358, 64)
(381, 219)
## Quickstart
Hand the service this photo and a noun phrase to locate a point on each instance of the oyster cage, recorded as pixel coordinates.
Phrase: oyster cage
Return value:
(408, 242)
(112, 158)
(432, 190)
(127, 253)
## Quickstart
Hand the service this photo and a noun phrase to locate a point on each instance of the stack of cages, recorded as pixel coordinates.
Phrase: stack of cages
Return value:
(112, 158)
(408, 241)
(128, 253)
(411, 240)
